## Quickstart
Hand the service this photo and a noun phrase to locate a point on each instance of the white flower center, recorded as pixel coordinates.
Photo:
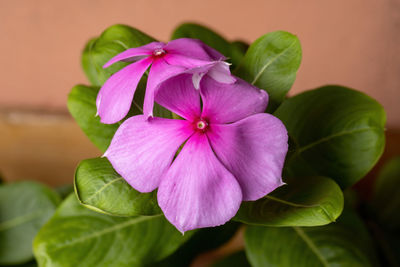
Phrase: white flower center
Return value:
(201, 125)
(158, 52)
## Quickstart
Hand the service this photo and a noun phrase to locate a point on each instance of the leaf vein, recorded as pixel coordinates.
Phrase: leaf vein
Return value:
(103, 188)
(311, 245)
(329, 137)
(5, 225)
(105, 231)
(271, 61)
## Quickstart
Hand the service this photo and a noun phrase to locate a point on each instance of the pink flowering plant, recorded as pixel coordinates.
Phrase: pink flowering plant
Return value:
(199, 139)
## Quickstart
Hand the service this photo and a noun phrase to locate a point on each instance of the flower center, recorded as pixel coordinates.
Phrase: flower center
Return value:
(158, 52)
(201, 125)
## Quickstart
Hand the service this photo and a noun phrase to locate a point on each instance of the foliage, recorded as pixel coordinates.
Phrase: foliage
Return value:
(336, 137)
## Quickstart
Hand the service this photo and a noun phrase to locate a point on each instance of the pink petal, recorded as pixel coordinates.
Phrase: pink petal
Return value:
(220, 72)
(184, 61)
(159, 72)
(179, 96)
(197, 190)
(133, 54)
(115, 97)
(225, 103)
(142, 150)
(254, 151)
(192, 48)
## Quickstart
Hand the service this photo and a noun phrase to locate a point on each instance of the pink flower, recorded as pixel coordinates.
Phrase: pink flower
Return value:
(115, 97)
(231, 151)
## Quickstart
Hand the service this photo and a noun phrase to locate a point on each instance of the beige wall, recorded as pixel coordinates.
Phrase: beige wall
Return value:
(349, 42)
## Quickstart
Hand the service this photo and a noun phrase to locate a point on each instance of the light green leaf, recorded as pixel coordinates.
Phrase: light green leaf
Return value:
(306, 201)
(336, 132)
(99, 187)
(111, 42)
(25, 207)
(271, 63)
(210, 38)
(82, 106)
(386, 198)
(344, 243)
(77, 236)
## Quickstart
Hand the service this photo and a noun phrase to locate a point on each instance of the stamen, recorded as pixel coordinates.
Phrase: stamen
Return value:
(201, 125)
(158, 52)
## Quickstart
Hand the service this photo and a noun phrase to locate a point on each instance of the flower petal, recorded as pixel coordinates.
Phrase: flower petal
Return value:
(184, 61)
(221, 73)
(193, 48)
(198, 191)
(142, 150)
(225, 103)
(115, 97)
(217, 70)
(179, 96)
(254, 151)
(133, 54)
(159, 72)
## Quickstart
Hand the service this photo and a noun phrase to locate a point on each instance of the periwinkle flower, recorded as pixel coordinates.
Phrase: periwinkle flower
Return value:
(166, 60)
(230, 150)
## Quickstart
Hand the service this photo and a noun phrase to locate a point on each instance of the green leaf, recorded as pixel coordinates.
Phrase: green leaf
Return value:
(238, 50)
(25, 207)
(100, 188)
(344, 243)
(237, 259)
(203, 240)
(210, 38)
(77, 236)
(337, 132)
(111, 42)
(306, 201)
(82, 106)
(386, 198)
(64, 190)
(271, 63)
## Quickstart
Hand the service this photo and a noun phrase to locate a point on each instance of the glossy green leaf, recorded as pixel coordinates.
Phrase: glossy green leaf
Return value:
(25, 207)
(344, 243)
(77, 236)
(203, 240)
(386, 198)
(82, 106)
(210, 38)
(271, 63)
(305, 201)
(99, 187)
(237, 259)
(111, 42)
(336, 132)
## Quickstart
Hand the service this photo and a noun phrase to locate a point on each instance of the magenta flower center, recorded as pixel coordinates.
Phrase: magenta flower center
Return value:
(158, 52)
(201, 125)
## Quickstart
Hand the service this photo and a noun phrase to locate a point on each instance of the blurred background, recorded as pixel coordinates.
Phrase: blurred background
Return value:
(352, 43)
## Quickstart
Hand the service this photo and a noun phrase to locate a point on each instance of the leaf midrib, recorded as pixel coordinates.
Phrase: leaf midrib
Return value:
(271, 61)
(302, 206)
(332, 136)
(103, 188)
(105, 231)
(14, 222)
(311, 245)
